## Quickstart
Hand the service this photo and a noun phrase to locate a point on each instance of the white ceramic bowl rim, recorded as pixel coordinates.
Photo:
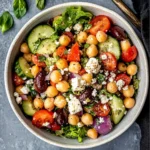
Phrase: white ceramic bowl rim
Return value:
(7, 84)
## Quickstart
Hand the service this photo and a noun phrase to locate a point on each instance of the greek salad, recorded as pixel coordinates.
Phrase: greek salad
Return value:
(76, 75)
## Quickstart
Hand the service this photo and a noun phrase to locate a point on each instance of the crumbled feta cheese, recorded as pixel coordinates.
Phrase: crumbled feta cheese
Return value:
(57, 42)
(113, 75)
(68, 29)
(24, 78)
(105, 107)
(103, 99)
(111, 79)
(19, 100)
(54, 115)
(80, 124)
(74, 105)
(110, 98)
(104, 83)
(101, 71)
(94, 92)
(16, 94)
(104, 57)
(29, 81)
(125, 88)
(51, 68)
(66, 69)
(86, 101)
(45, 124)
(92, 66)
(69, 50)
(106, 73)
(24, 90)
(93, 81)
(78, 27)
(78, 84)
(100, 120)
(62, 72)
(43, 95)
(120, 83)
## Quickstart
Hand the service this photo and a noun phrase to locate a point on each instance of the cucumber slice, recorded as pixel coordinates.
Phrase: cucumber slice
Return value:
(111, 45)
(47, 46)
(37, 35)
(22, 68)
(28, 108)
(117, 108)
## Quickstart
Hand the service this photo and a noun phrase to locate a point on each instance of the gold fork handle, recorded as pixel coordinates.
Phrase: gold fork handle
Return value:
(128, 12)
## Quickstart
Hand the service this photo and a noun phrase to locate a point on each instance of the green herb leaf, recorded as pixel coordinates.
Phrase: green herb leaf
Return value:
(20, 8)
(40, 4)
(41, 58)
(136, 82)
(87, 26)
(6, 21)
(86, 45)
(100, 78)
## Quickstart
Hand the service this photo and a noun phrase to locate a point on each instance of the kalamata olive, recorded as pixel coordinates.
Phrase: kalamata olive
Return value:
(118, 33)
(40, 84)
(70, 35)
(62, 116)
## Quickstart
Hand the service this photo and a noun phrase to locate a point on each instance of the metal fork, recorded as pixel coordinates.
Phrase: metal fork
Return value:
(128, 12)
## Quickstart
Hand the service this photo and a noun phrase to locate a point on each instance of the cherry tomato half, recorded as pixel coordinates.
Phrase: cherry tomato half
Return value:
(36, 60)
(70, 35)
(124, 77)
(129, 55)
(74, 54)
(101, 110)
(110, 63)
(100, 23)
(55, 126)
(61, 52)
(17, 80)
(42, 116)
(81, 72)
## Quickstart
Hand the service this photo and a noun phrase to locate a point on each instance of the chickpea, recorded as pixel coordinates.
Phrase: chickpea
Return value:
(55, 76)
(63, 86)
(24, 48)
(92, 133)
(38, 103)
(125, 45)
(87, 119)
(60, 101)
(101, 36)
(74, 67)
(28, 57)
(91, 39)
(129, 102)
(18, 89)
(129, 92)
(87, 77)
(112, 87)
(82, 37)
(35, 70)
(49, 104)
(132, 69)
(62, 64)
(73, 119)
(122, 67)
(64, 40)
(91, 51)
(51, 91)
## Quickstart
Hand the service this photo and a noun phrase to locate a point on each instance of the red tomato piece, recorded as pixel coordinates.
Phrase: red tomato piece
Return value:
(124, 77)
(70, 35)
(101, 110)
(81, 72)
(17, 80)
(74, 54)
(110, 63)
(55, 126)
(42, 116)
(130, 54)
(36, 60)
(61, 52)
(100, 23)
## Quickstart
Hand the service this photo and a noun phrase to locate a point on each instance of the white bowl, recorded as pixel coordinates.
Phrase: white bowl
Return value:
(141, 61)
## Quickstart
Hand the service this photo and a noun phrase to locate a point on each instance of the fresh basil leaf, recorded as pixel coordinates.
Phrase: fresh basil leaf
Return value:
(6, 21)
(40, 4)
(20, 8)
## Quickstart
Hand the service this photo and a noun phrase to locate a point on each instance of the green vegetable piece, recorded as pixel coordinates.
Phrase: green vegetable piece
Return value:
(136, 82)
(100, 78)
(50, 61)
(28, 108)
(40, 4)
(6, 21)
(20, 8)
(117, 108)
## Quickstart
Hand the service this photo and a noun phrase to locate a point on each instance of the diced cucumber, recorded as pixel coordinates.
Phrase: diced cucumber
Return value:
(37, 35)
(28, 108)
(117, 108)
(22, 68)
(111, 45)
(47, 46)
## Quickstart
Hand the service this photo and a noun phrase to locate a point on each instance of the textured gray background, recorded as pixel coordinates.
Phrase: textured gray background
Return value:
(13, 135)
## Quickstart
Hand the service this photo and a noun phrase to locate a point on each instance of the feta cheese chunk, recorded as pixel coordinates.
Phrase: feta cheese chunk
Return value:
(78, 27)
(104, 57)
(104, 99)
(92, 66)
(45, 124)
(74, 105)
(101, 120)
(19, 100)
(51, 68)
(43, 95)
(78, 84)
(68, 29)
(24, 90)
(94, 92)
(120, 83)
(29, 81)
(80, 124)
(16, 94)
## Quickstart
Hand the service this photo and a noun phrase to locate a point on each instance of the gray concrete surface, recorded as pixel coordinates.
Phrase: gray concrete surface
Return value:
(13, 135)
